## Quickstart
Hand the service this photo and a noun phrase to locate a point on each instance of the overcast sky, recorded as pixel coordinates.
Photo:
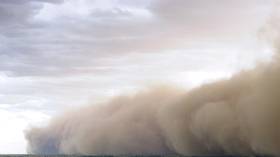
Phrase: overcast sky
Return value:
(55, 55)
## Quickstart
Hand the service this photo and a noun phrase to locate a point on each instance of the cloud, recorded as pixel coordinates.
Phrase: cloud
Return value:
(16, 14)
(35, 34)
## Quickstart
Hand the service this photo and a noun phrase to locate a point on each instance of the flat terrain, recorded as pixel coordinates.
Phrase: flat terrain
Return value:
(32, 155)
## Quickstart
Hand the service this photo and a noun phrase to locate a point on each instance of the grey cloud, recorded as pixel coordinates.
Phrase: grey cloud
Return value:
(213, 17)
(66, 43)
(17, 13)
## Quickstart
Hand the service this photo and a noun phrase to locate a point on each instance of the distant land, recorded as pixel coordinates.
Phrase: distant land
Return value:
(43, 155)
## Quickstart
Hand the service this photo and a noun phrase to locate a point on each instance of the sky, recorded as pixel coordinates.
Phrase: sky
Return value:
(57, 55)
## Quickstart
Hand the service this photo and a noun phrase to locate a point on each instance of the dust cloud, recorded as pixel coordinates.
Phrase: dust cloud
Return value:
(239, 116)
